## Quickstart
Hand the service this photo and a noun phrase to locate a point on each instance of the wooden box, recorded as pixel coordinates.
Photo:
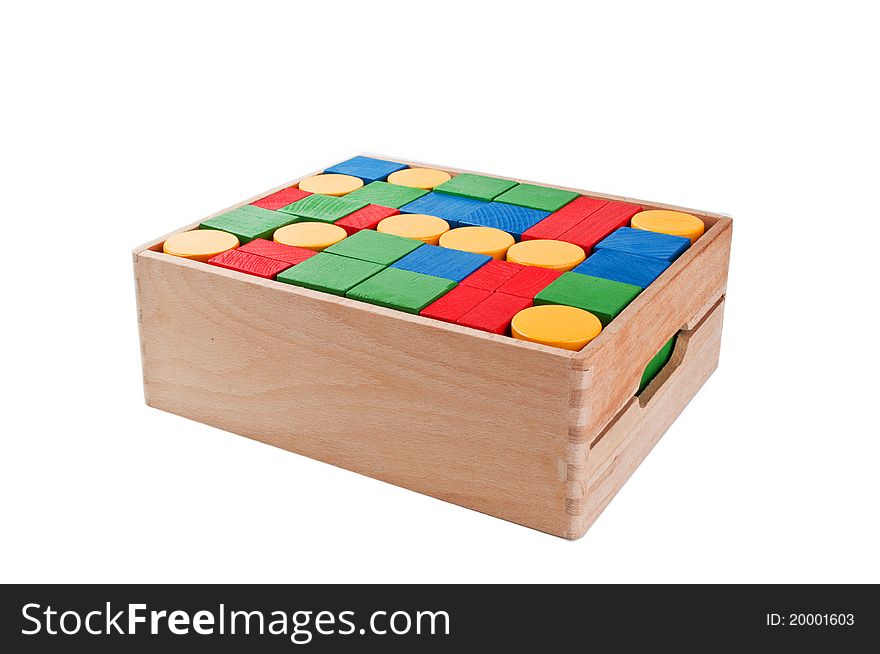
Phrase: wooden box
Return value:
(540, 436)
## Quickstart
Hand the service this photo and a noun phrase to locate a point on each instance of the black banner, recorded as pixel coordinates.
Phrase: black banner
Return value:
(419, 618)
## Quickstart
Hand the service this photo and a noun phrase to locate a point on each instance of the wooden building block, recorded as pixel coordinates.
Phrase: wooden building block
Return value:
(492, 276)
(507, 217)
(556, 325)
(477, 187)
(622, 267)
(600, 224)
(480, 240)
(655, 365)
(310, 235)
(418, 226)
(559, 222)
(388, 195)
(424, 178)
(367, 218)
(455, 303)
(329, 273)
(324, 208)
(450, 208)
(601, 297)
(529, 281)
(368, 169)
(676, 223)
(281, 198)
(555, 255)
(246, 262)
(199, 244)
(331, 184)
(403, 290)
(449, 264)
(645, 244)
(494, 313)
(542, 198)
(249, 222)
(273, 250)
(375, 247)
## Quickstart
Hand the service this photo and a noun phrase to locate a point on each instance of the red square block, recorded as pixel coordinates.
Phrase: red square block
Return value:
(495, 313)
(528, 282)
(559, 222)
(492, 275)
(600, 224)
(366, 218)
(278, 251)
(281, 198)
(252, 264)
(455, 303)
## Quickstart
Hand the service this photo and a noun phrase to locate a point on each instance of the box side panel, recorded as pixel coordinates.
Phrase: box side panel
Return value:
(617, 451)
(464, 419)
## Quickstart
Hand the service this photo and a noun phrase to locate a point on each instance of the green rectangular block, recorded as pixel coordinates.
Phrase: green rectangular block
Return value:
(603, 298)
(656, 364)
(537, 197)
(322, 208)
(388, 195)
(249, 222)
(476, 187)
(329, 273)
(376, 247)
(403, 290)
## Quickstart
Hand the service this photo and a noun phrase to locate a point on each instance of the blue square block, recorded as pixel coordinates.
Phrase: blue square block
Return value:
(450, 208)
(622, 267)
(511, 218)
(368, 169)
(442, 262)
(643, 243)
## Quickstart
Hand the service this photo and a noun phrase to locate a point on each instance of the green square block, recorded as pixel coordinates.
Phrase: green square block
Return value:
(477, 187)
(323, 208)
(388, 195)
(602, 297)
(537, 197)
(329, 273)
(376, 247)
(656, 364)
(401, 289)
(249, 222)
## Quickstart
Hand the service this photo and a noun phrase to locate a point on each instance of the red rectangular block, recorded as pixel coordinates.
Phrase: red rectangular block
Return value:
(455, 303)
(559, 222)
(495, 313)
(600, 224)
(278, 251)
(252, 264)
(492, 275)
(529, 282)
(366, 218)
(281, 198)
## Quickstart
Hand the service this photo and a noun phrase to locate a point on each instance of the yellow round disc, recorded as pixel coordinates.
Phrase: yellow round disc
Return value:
(482, 240)
(312, 236)
(331, 184)
(556, 255)
(556, 325)
(199, 244)
(415, 225)
(425, 178)
(676, 223)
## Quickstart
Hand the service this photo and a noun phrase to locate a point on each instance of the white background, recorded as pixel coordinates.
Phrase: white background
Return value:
(120, 125)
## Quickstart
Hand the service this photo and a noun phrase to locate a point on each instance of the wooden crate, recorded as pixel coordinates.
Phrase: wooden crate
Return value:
(540, 436)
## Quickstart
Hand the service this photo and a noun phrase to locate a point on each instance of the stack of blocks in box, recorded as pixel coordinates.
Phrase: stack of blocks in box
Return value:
(508, 346)
(477, 251)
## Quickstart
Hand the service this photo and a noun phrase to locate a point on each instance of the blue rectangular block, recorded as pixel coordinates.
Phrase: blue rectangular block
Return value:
(450, 208)
(645, 244)
(622, 267)
(367, 168)
(442, 262)
(511, 218)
